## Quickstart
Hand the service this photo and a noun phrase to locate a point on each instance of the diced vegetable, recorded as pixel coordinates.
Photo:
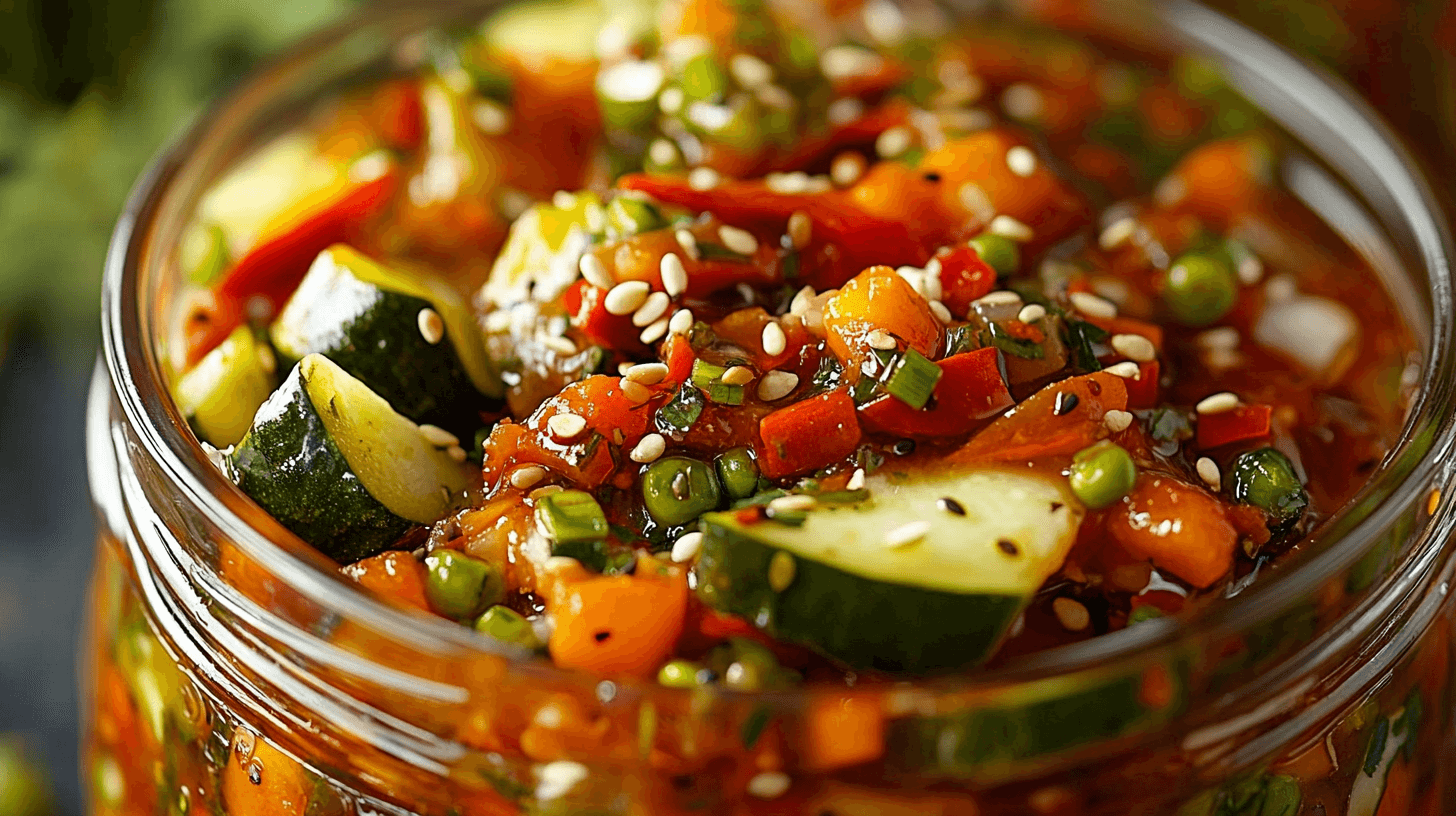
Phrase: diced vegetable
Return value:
(738, 472)
(1239, 424)
(1200, 289)
(619, 624)
(912, 380)
(1318, 333)
(1266, 479)
(1178, 526)
(507, 626)
(997, 251)
(571, 517)
(220, 394)
(896, 583)
(459, 586)
(1058, 420)
(808, 435)
(1102, 474)
(677, 490)
(540, 257)
(878, 300)
(335, 464)
(970, 391)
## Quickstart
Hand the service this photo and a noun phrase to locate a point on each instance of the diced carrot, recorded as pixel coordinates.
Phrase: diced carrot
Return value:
(618, 624)
(264, 781)
(970, 391)
(844, 730)
(1129, 325)
(879, 299)
(396, 575)
(1240, 424)
(1179, 527)
(1035, 430)
(1222, 179)
(808, 435)
(679, 357)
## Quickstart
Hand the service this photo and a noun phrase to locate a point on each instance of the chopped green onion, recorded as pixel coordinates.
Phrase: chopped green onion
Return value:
(701, 335)
(459, 586)
(681, 412)
(1080, 336)
(1026, 349)
(913, 380)
(571, 516)
(725, 394)
(999, 252)
(631, 216)
(705, 373)
(759, 499)
(702, 78)
(842, 496)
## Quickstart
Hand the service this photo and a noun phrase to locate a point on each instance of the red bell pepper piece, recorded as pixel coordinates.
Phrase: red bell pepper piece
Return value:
(1238, 425)
(970, 390)
(964, 277)
(1142, 390)
(1049, 423)
(588, 304)
(400, 119)
(808, 435)
(679, 357)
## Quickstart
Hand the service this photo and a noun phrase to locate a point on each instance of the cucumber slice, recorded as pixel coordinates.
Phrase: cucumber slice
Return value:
(366, 317)
(540, 256)
(938, 603)
(263, 185)
(567, 29)
(222, 392)
(335, 464)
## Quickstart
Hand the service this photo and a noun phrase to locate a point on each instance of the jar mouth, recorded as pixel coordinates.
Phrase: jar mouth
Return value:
(1319, 111)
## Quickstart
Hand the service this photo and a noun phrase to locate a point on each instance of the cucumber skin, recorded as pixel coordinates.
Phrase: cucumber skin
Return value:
(381, 346)
(846, 617)
(289, 465)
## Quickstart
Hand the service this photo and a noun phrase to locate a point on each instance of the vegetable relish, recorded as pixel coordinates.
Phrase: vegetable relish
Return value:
(746, 345)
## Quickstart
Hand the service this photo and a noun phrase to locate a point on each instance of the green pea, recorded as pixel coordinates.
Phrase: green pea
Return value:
(507, 626)
(754, 667)
(702, 78)
(1200, 289)
(631, 216)
(679, 674)
(1142, 613)
(1266, 479)
(739, 472)
(459, 586)
(627, 94)
(999, 252)
(1102, 474)
(677, 490)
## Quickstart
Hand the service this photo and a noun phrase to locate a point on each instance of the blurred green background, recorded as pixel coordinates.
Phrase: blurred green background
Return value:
(90, 89)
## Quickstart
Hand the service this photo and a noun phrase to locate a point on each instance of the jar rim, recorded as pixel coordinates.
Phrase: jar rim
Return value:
(1316, 102)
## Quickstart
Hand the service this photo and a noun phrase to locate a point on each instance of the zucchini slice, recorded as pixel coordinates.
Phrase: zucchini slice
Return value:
(540, 256)
(335, 464)
(220, 394)
(937, 603)
(366, 317)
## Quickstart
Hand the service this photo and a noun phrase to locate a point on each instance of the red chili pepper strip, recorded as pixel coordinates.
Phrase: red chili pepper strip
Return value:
(970, 391)
(964, 277)
(1238, 425)
(679, 357)
(1058, 420)
(808, 435)
(1142, 390)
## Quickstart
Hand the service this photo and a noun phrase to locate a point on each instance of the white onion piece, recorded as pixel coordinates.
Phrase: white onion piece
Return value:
(1316, 332)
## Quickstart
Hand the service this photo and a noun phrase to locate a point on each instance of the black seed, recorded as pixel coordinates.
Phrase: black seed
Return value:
(932, 177)
(1056, 506)
(1065, 404)
(950, 505)
(904, 447)
(601, 636)
(255, 774)
(1008, 546)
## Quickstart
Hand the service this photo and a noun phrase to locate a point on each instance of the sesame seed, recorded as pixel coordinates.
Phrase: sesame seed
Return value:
(975, 200)
(1093, 306)
(566, 426)
(856, 480)
(681, 322)
(1224, 337)
(1008, 227)
(1000, 297)
(456, 453)
(1170, 191)
(1065, 403)
(663, 153)
(907, 534)
(563, 200)
(492, 118)
(559, 777)
(686, 547)
(671, 100)
(498, 321)
(769, 785)
(561, 345)
(1117, 233)
(1022, 101)
(1217, 403)
(737, 240)
(1281, 288)
(524, 477)
(893, 142)
(791, 503)
(635, 392)
(844, 61)
(439, 437)
(880, 339)
(775, 385)
(781, 569)
(1134, 347)
(595, 272)
(846, 169)
(737, 375)
(704, 178)
(1031, 312)
(1117, 421)
(1072, 614)
(794, 183)
(941, 311)
(844, 110)
(1127, 370)
(626, 297)
(1021, 161)
(688, 243)
(653, 308)
(1250, 270)
(655, 332)
(800, 229)
(750, 71)
(432, 326)
(648, 449)
(800, 303)
(948, 505)
(773, 340)
(1208, 472)
(646, 373)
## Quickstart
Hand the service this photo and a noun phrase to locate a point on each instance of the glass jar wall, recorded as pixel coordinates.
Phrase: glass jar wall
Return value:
(229, 668)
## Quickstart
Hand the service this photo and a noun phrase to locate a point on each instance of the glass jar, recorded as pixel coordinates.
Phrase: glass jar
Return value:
(230, 668)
